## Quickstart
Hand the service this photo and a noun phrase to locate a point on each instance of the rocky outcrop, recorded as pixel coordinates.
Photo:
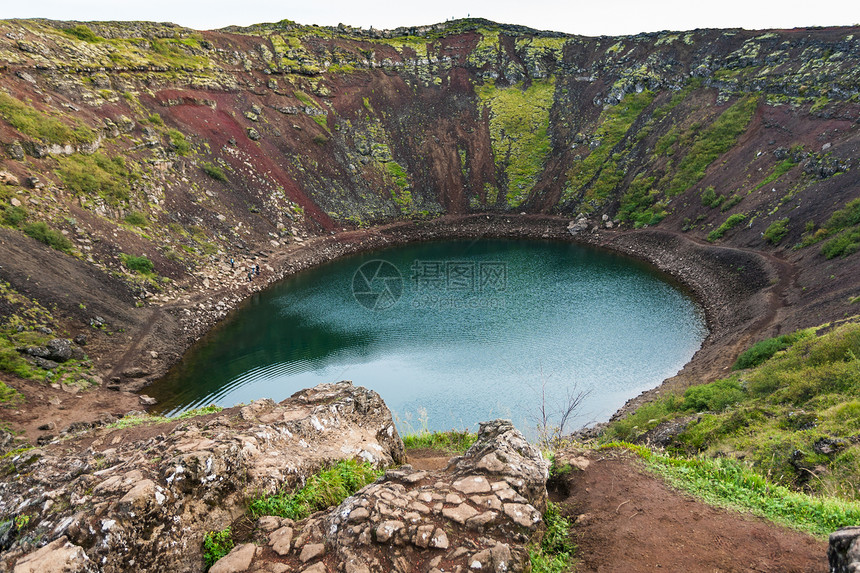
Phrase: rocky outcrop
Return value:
(844, 550)
(143, 498)
(478, 514)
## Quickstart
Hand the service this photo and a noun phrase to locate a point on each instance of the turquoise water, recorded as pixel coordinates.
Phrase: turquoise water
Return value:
(452, 333)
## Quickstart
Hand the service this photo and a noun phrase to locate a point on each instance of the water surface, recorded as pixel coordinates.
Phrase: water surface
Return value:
(452, 333)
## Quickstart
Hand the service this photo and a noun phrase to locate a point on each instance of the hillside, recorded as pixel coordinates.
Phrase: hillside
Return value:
(145, 156)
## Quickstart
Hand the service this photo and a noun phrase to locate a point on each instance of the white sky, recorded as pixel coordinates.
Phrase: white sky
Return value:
(586, 17)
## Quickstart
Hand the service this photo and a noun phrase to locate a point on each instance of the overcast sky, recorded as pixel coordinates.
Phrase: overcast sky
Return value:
(587, 17)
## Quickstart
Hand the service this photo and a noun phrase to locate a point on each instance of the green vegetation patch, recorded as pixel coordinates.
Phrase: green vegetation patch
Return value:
(323, 489)
(41, 126)
(728, 483)
(214, 171)
(776, 231)
(711, 143)
(216, 544)
(51, 237)
(519, 124)
(137, 264)
(13, 216)
(137, 219)
(8, 396)
(555, 552)
(778, 171)
(453, 441)
(762, 351)
(599, 171)
(96, 174)
(641, 203)
(730, 223)
(177, 140)
(793, 416)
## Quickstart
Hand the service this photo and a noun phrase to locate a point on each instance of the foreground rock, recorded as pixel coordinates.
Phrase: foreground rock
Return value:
(477, 515)
(844, 550)
(143, 502)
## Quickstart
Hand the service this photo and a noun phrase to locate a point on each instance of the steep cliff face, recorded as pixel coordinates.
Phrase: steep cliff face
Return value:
(153, 153)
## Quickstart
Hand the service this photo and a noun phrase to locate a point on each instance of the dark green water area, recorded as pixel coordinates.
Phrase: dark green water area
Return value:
(452, 333)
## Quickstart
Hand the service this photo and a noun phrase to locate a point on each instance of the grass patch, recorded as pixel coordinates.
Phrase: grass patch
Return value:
(728, 483)
(136, 264)
(214, 171)
(323, 489)
(216, 544)
(51, 237)
(96, 174)
(792, 415)
(763, 350)
(776, 231)
(712, 142)
(137, 219)
(781, 169)
(710, 198)
(519, 124)
(598, 174)
(453, 441)
(555, 552)
(845, 244)
(9, 396)
(132, 421)
(83, 32)
(177, 140)
(13, 216)
(41, 126)
(730, 223)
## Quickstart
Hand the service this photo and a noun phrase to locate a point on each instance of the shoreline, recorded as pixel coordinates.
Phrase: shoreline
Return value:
(736, 308)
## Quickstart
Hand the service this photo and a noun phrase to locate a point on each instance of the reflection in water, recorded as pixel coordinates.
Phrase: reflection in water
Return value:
(464, 331)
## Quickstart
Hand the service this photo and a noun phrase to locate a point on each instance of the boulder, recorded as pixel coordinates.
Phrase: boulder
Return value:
(59, 350)
(190, 479)
(59, 556)
(843, 551)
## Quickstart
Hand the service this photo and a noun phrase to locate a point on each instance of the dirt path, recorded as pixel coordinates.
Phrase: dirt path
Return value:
(628, 520)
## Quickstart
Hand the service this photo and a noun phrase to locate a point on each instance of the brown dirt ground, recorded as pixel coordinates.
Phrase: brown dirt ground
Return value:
(634, 522)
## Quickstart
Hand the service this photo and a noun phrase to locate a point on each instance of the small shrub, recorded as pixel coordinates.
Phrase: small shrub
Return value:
(731, 202)
(214, 171)
(216, 544)
(54, 239)
(763, 350)
(710, 198)
(555, 551)
(137, 264)
(178, 141)
(9, 395)
(730, 223)
(12, 216)
(713, 397)
(843, 245)
(776, 231)
(155, 119)
(137, 219)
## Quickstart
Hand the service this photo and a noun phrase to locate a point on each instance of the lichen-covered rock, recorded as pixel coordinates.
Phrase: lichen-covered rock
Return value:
(477, 514)
(145, 504)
